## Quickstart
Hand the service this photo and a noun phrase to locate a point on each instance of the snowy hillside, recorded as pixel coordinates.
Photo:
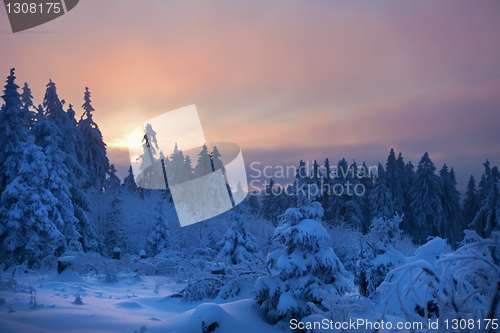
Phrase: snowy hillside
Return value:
(389, 248)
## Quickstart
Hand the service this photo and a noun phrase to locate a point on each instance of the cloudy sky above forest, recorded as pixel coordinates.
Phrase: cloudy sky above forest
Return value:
(284, 79)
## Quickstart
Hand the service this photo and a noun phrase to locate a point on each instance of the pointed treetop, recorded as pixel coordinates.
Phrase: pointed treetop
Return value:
(40, 115)
(11, 96)
(215, 153)
(86, 105)
(26, 97)
(71, 113)
(53, 106)
(444, 171)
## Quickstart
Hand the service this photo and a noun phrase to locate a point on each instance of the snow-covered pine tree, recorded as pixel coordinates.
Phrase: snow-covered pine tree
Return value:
(353, 200)
(13, 131)
(471, 204)
(160, 239)
(365, 178)
(336, 204)
(203, 166)
(217, 163)
(27, 103)
(381, 204)
(483, 188)
(240, 194)
(395, 181)
(149, 164)
(426, 205)
(27, 225)
(115, 219)
(410, 178)
(487, 218)
(315, 173)
(303, 266)
(451, 206)
(324, 197)
(177, 172)
(129, 181)
(53, 107)
(188, 167)
(79, 146)
(66, 141)
(405, 181)
(26, 97)
(344, 203)
(69, 144)
(238, 245)
(96, 161)
(112, 182)
(57, 182)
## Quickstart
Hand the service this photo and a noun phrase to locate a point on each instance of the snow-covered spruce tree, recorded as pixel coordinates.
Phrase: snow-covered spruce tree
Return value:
(66, 141)
(150, 166)
(471, 204)
(451, 206)
(303, 266)
(366, 179)
(240, 194)
(13, 131)
(378, 255)
(114, 234)
(57, 182)
(325, 188)
(80, 150)
(217, 163)
(27, 103)
(160, 239)
(96, 161)
(129, 181)
(178, 172)
(410, 179)
(204, 165)
(26, 216)
(112, 182)
(487, 218)
(54, 113)
(426, 206)
(343, 203)
(188, 167)
(381, 203)
(238, 245)
(395, 181)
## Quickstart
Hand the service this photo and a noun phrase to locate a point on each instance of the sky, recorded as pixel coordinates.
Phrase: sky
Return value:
(284, 79)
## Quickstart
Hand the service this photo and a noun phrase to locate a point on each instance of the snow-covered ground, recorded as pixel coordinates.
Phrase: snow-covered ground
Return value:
(122, 306)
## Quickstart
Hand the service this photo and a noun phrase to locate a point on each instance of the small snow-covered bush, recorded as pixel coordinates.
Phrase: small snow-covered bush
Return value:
(234, 287)
(378, 255)
(458, 285)
(204, 288)
(338, 309)
(238, 245)
(345, 250)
